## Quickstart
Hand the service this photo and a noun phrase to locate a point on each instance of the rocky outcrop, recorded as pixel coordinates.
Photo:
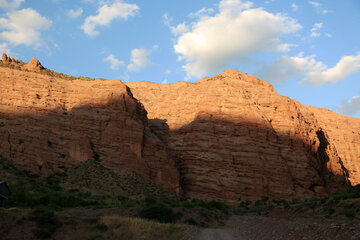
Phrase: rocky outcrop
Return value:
(33, 65)
(234, 138)
(48, 124)
(6, 59)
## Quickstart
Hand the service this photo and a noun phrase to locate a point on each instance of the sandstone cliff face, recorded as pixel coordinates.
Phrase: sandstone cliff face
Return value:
(234, 137)
(47, 124)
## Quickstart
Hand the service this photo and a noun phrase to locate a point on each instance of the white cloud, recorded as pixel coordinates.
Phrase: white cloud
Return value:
(346, 66)
(287, 67)
(318, 8)
(24, 27)
(329, 35)
(165, 81)
(167, 71)
(179, 29)
(234, 6)
(106, 14)
(74, 13)
(201, 12)
(294, 7)
(176, 30)
(139, 59)
(10, 5)
(234, 33)
(350, 107)
(315, 30)
(315, 4)
(115, 64)
(311, 72)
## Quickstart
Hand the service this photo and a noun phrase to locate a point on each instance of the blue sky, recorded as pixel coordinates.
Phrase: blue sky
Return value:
(309, 50)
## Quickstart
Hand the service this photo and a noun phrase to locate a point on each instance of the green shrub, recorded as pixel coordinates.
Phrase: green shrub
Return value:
(218, 205)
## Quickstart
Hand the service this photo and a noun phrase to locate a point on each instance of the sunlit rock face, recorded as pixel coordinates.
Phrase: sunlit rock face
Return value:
(48, 124)
(234, 137)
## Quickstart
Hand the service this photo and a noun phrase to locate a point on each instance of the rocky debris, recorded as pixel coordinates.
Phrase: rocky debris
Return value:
(33, 65)
(235, 138)
(48, 124)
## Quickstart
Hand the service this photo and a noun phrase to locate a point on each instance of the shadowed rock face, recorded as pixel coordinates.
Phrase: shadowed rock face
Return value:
(234, 137)
(230, 136)
(47, 124)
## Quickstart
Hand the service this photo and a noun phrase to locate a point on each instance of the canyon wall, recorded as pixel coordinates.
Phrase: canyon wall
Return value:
(234, 137)
(230, 137)
(48, 124)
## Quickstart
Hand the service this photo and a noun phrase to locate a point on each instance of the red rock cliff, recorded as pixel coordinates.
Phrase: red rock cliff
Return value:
(47, 124)
(234, 137)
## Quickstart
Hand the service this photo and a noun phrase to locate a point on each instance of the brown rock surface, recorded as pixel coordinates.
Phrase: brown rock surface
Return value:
(33, 65)
(5, 58)
(47, 124)
(234, 137)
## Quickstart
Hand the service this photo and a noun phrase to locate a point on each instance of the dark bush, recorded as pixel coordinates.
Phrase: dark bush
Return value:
(46, 223)
(191, 221)
(218, 205)
(102, 227)
(349, 213)
(330, 210)
(159, 213)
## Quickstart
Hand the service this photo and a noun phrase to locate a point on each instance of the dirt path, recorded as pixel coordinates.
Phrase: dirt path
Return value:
(259, 228)
(218, 234)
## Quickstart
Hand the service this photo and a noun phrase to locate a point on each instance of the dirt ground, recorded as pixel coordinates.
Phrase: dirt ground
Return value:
(264, 228)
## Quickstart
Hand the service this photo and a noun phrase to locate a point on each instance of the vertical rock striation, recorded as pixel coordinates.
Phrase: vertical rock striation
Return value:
(234, 138)
(47, 124)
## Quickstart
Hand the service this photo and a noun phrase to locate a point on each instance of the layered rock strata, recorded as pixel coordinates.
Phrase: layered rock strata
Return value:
(47, 124)
(234, 138)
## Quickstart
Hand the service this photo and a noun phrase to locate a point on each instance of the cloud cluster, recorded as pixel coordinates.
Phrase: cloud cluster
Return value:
(176, 30)
(75, 13)
(108, 13)
(10, 5)
(138, 59)
(201, 12)
(346, 66)
(318, 7)
(23, 27)
(315, 30)
(286, 67)
(235, 32)
(311, 72)
(115, 64)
